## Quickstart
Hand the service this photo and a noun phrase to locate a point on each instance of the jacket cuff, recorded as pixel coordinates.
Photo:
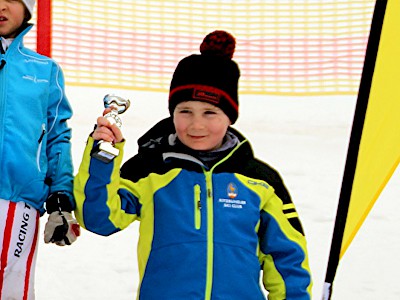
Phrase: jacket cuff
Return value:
(58, 201)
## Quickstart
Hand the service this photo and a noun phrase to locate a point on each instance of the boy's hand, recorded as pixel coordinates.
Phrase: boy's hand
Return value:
(61, 229)
(106, 131)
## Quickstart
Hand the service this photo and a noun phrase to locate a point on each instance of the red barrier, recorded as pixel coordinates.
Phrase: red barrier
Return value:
(44, 28)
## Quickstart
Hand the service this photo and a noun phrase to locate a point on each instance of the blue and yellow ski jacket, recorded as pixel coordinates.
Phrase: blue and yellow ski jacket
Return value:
(205, 233)
(35, 149)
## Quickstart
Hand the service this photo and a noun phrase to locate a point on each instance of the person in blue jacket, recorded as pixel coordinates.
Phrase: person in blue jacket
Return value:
(35, 153)
(214, 220)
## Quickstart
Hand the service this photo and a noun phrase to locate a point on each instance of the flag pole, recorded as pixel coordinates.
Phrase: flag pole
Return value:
(353, 149)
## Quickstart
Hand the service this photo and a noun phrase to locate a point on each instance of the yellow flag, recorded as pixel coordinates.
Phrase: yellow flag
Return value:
(379, 150)
(374, 148)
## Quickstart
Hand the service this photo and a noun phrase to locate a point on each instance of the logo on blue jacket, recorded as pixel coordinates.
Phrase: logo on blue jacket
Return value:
(232, 190)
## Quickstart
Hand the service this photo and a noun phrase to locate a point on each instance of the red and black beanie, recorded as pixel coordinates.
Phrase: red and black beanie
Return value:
(210, 77)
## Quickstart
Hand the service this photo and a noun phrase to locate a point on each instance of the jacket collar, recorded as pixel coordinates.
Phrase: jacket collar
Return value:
(24, 29)
(162, 137)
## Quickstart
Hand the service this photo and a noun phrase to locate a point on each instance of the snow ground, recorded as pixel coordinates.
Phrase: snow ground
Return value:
(305, 138)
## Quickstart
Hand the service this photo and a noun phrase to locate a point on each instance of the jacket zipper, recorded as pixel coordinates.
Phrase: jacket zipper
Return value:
(210, 224)
(210, 235)
(197, 207)
(3, 77)
(40, 146)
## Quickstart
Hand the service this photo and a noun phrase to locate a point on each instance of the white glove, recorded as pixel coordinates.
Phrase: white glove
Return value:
(61, 229)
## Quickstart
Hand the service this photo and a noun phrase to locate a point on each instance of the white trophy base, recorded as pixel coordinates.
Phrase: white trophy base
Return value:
(105, 152)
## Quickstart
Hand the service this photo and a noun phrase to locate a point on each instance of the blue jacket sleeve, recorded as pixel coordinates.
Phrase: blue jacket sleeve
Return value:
(60, 169)
(105, 202)
(283, 253)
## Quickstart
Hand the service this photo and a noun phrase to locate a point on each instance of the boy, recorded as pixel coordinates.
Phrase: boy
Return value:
(212, 215)
(35, 157)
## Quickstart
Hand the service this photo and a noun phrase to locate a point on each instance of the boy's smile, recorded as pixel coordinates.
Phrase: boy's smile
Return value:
(200, 125)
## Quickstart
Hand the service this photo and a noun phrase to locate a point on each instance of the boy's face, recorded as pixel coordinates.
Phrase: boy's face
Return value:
(200, 125)
(12, 14)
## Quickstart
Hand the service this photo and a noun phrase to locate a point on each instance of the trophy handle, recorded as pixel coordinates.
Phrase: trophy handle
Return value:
(118, 103)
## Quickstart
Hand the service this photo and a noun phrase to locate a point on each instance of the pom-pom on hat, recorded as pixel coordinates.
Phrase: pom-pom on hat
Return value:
(29, 4)
(210, 77)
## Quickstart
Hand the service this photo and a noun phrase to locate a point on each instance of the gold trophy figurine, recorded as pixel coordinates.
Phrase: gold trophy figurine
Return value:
(105, 151)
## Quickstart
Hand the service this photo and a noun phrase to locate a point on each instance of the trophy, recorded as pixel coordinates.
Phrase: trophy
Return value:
(105, 151)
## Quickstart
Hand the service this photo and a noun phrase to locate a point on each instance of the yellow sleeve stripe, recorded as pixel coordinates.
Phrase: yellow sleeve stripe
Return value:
(292, 215)
(80, 182)
(288, 206)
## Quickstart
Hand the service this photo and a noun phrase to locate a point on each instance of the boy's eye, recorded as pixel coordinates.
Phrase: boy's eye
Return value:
(210, 112)
(184, 111)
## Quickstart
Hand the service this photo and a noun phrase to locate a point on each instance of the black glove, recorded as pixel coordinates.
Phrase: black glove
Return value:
(61, 227)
